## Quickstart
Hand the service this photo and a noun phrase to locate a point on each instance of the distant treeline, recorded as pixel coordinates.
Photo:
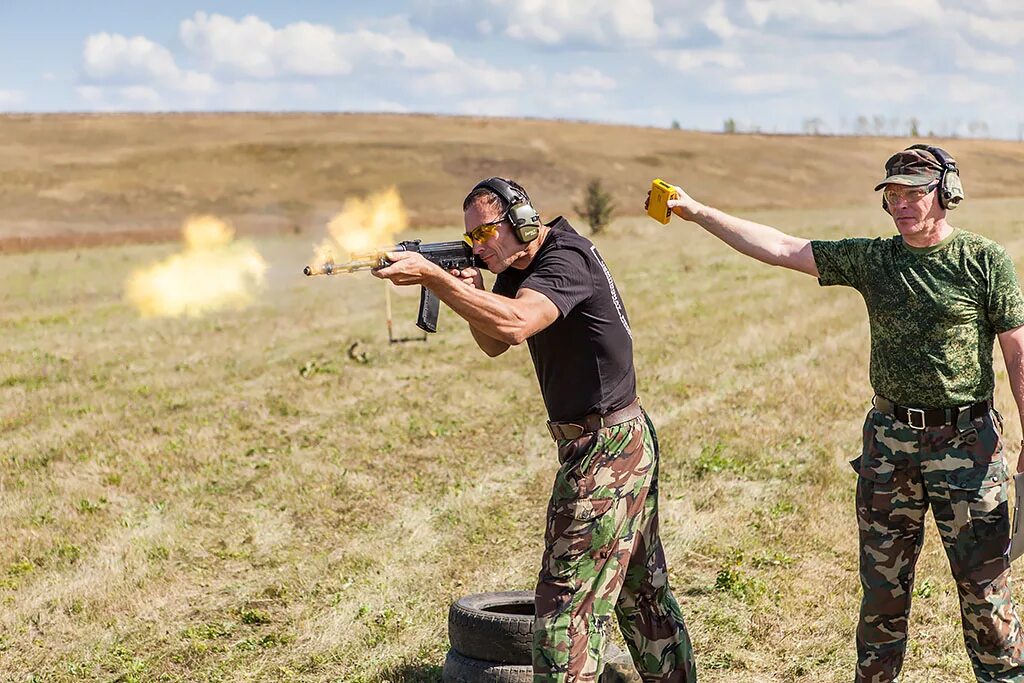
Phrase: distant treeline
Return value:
(875, 125)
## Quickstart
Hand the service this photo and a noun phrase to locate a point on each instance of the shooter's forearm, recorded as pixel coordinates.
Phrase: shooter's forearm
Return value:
(488, 314)
(492, 347)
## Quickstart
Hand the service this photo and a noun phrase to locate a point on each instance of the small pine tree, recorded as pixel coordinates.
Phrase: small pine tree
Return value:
(675, 124)
(597, 206)
(729, 126)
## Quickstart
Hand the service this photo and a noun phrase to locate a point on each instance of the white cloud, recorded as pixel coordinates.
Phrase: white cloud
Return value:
(1002, 8)
(490, 106)
(581, 105)
(142, 95)
(108, 56)
(10, 98)
(845, 65)
(867, 79)
(463, 77)
(692, 60)
(964, 90)
(839, 58)
(884, 91)
(255, 60)
(253, 95)
(769, 83)
(1002, 30)
(405, 47)
(600, 22)
(121, 98)
(115, 59)
(583, 79)
(864, 17)
(391, 107)
(253, 47)
(718, 22)
(971, 59)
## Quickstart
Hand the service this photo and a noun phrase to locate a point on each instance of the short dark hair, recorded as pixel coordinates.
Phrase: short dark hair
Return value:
(492, 198)
(486, 196)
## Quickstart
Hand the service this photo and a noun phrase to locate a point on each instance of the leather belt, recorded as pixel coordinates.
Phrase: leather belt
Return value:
(593, 422)
(920, 418)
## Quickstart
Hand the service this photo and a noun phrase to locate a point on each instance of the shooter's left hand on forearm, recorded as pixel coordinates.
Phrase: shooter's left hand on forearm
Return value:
(407, 268)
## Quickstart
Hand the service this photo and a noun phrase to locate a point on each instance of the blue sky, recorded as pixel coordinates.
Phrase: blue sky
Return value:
(775, 65)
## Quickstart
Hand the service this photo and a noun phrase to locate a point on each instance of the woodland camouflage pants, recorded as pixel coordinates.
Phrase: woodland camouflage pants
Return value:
(961, 475)
(602, 555)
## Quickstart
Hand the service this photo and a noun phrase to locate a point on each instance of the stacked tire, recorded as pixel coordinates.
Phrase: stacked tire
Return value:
(491, 637)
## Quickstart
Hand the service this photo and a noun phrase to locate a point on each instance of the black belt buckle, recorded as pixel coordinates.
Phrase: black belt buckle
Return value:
(910, 418)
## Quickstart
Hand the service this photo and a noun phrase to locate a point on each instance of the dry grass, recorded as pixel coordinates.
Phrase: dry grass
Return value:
(236, 499)
(66, 179)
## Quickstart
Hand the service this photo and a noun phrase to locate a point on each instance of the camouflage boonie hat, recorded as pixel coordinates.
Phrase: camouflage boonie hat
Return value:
(911, 167)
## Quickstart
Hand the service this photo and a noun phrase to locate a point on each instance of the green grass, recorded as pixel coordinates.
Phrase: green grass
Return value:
(239, 498)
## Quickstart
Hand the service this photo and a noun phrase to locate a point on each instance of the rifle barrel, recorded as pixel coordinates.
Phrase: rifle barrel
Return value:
(331, 268)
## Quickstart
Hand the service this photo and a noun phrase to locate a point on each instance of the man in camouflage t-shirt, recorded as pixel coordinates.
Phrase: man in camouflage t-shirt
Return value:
(937, 298)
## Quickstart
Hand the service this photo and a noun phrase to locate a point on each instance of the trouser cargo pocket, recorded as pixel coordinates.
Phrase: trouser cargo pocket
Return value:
(980, 515)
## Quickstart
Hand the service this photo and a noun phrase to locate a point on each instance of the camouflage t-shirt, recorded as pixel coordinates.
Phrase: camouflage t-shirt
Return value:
(934, 312)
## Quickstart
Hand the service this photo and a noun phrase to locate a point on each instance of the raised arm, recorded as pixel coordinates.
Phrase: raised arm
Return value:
(762, 242)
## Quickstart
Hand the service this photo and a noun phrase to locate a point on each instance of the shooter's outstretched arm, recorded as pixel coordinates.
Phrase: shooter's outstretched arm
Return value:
(762, 242)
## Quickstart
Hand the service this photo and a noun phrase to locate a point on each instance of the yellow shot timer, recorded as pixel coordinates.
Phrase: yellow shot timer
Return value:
(657, 207)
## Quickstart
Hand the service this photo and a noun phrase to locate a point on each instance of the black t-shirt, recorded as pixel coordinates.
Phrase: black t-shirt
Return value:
(584, 360)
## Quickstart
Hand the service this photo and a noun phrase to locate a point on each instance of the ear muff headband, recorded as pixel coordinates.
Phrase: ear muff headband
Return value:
(520, 213)
(951, 189)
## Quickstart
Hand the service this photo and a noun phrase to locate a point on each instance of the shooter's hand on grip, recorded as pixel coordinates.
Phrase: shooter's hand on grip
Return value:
(469, 276)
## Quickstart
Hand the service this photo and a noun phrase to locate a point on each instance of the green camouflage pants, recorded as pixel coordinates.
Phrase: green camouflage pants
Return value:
(962, 476)
(602, 555)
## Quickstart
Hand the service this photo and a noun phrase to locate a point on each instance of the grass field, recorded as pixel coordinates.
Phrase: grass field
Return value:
(236, 498)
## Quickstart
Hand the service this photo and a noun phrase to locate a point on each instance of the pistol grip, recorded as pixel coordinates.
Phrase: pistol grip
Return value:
(430, 306)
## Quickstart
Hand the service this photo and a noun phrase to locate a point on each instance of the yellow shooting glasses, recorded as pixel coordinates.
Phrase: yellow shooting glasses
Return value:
(483, 232)
(657, 206)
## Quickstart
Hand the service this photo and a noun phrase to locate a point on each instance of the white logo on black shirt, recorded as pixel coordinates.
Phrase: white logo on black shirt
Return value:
(613, 291)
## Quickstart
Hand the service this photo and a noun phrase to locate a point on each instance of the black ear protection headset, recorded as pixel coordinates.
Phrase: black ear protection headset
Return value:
(520, 213)
(951, 190)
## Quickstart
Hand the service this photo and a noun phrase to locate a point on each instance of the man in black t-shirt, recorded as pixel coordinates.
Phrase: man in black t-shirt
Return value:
(602, 552)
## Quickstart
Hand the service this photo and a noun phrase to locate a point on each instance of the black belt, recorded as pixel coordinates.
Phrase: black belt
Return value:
(593, 422)
(919, 418)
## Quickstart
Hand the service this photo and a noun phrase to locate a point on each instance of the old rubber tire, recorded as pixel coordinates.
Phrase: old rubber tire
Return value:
(461, 669)
(493, 627)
